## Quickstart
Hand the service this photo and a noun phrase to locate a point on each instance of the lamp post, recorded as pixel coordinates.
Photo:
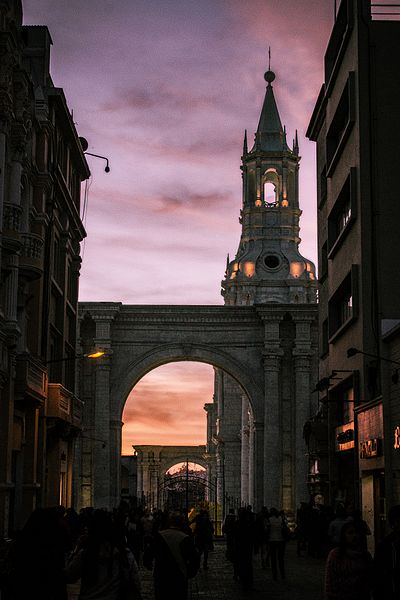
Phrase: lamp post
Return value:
(92, 355)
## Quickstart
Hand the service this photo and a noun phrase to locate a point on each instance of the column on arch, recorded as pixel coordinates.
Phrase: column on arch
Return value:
(102, 449)
(228, 399)
(302, 354)
(245, 452)
(272, 472)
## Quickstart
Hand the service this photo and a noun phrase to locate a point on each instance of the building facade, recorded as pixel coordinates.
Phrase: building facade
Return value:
(41, 169)
(356, 125)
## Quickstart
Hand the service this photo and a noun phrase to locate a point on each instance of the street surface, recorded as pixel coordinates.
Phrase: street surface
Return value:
(304, 579)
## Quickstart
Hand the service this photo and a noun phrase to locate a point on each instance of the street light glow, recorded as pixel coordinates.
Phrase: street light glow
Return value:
(96, 354)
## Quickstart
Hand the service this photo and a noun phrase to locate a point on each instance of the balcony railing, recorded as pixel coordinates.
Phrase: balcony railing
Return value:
(31, 258)
(62, 404)
(31, 378)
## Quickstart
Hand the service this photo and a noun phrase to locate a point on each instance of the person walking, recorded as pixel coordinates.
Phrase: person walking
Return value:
(387, 561)
(244, 539)
(228, 530)
(175, 559)
(335, 526)
(203, 535)
(348, 572)
(262, 526)
(277, 543)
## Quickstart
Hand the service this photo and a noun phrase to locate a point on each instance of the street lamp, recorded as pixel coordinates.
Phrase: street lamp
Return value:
(353, 351)
(92, 355)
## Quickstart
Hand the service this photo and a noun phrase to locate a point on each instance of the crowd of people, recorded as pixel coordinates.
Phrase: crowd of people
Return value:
(107, 550)
(340, 537)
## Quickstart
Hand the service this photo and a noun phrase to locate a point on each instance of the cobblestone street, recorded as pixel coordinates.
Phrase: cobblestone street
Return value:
(304, 580)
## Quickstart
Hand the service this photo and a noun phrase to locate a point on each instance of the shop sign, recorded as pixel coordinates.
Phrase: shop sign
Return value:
(370, 448)
(396, 444)
(344, 437)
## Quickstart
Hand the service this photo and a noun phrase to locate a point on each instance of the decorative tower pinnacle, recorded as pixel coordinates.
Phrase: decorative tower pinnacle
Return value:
(268, 266)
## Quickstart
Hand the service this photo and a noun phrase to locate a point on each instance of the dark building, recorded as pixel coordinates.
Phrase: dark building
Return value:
(41, 169)
(356, 125)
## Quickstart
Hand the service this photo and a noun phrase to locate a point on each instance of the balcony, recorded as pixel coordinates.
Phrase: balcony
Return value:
(31, 379)
(63, 405)
(11, 225)
(31, 257)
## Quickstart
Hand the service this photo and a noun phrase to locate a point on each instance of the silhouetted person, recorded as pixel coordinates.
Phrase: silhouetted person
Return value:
(244, 536)
(262, 528)
(387, 561)
(348, 572)
(301, 527)
(362, 528)
(335, 526)
(203, 535)
(175, 560)
(228, 529)
(106, 567)
(277, 543)
(37, 557)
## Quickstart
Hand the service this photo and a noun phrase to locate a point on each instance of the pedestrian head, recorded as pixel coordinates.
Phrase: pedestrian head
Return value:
(176, 520)
(349, 538)
(340, 512)
(274, 512)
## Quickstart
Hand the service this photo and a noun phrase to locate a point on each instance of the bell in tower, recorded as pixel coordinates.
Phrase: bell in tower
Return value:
(268, 266)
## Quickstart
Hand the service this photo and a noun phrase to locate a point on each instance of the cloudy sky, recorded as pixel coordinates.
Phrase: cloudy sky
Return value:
(165, 90)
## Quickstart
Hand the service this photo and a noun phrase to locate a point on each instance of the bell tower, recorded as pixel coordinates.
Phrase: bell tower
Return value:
(268, 266)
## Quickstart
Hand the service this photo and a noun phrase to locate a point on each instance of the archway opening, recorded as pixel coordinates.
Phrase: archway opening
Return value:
(189, 413)
(166, 407)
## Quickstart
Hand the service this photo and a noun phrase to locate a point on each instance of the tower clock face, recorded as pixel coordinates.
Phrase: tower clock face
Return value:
(271, 261)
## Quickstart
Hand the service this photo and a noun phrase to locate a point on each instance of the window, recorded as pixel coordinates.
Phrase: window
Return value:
(324, 338)
(323, 266)
(343, 304)
(338, 41)
(342, 214)
(58, 262)
(341, 125)
(323, 187)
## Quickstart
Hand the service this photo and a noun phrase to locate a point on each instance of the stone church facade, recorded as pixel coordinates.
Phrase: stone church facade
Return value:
(262, 344)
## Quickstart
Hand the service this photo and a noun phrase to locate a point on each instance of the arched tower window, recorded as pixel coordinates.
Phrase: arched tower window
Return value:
(271, 187)
(269, 193)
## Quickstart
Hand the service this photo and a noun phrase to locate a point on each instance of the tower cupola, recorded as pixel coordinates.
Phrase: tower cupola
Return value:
(268, 266)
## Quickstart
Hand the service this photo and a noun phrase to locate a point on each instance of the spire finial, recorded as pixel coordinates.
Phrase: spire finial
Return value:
(245, 149)
(296, 144)
(269, 76)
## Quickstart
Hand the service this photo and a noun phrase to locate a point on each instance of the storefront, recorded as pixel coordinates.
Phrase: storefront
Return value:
(372, 471)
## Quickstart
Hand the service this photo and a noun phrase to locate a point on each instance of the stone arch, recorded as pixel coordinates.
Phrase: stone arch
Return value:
(129, 374)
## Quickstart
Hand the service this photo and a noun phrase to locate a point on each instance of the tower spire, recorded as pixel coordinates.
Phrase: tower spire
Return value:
(296, 144)
(245, 149)
(270, 135)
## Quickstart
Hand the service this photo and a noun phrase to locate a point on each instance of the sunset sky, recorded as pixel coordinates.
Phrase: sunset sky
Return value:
(165, 90)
